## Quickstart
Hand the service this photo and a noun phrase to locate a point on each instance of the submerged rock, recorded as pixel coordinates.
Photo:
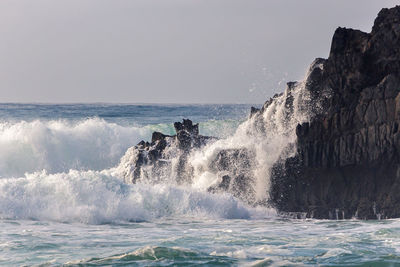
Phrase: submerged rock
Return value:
(348, 156)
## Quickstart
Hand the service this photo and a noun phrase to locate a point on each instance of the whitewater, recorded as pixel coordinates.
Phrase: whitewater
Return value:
(64, 202)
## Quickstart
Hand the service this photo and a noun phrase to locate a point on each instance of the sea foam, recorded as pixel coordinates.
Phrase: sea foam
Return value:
(88, 144)
(60, 145)
(261, 141)
(61, 170)
(97, 197)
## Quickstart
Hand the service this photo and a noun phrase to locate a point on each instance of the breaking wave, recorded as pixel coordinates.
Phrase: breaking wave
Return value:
(97, 197)
(73, 171)
(61, 170)
(240, 163)
(90, 144)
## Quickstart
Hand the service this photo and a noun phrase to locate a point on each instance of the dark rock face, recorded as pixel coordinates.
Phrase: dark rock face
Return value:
(348, 156)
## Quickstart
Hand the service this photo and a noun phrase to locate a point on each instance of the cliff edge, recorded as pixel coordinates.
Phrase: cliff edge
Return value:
(348, 156)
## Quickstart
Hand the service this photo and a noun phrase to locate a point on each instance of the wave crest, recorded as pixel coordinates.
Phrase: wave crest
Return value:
(57, 146)
(90, 144)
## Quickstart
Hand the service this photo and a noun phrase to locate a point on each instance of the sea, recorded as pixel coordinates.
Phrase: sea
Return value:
(63, 204)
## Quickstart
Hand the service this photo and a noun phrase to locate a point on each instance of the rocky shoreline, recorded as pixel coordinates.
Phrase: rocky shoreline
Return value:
(347, 155)
(348, 162)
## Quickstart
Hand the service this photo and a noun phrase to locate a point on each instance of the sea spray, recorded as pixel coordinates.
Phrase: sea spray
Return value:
(83, 144)
(241, 163)
(275, 139)
(57, 146)
(79, 183)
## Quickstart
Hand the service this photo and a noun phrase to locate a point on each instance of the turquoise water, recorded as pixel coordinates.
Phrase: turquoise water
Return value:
(188, 241)
(62, 204)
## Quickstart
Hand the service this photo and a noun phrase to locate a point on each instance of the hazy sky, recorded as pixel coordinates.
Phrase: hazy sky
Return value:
(166, 51)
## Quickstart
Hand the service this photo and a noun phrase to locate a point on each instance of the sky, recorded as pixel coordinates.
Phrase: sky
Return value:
(166, 51)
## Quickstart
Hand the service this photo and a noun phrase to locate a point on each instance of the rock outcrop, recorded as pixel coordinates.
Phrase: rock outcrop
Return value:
(153, 161)
(166, 159)
(348, 156)
(341, 161)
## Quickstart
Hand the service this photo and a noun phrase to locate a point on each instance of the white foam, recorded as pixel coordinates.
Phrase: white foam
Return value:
(90, 144)
(97, 197)
(278, 141)
(57, 146)
(88, 194)
(264, 139)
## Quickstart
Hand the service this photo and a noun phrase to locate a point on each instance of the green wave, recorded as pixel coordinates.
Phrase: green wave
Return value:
(159, 256)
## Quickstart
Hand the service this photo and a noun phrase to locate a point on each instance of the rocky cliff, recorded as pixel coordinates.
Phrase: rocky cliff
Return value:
(327, 147)
(348, 156)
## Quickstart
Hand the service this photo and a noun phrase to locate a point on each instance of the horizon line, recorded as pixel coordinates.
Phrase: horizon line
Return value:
(123, 103)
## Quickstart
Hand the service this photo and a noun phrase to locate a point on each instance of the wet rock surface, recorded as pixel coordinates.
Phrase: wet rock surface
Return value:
(348, 156)
(153, 160)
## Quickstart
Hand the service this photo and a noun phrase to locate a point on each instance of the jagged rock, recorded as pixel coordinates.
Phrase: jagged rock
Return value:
(153, 161)
(348, 156)
(166, 158)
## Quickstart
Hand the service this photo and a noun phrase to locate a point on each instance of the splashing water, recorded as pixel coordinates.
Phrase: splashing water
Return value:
(269, 135)
(97, 197)
(85, 144)
(244, 159)
(85, 214)
(61, 170)
(66, 173)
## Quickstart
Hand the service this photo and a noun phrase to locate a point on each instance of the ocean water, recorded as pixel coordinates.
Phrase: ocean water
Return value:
(62, 201)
